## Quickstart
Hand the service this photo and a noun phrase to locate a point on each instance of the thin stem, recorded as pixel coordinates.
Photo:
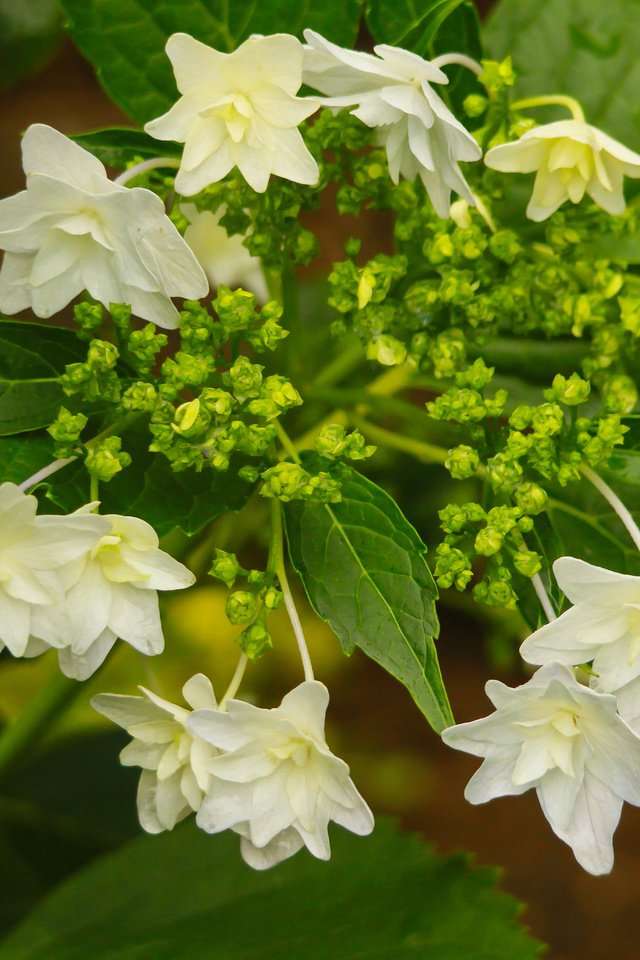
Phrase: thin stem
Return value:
(346, 361)
(236, 680)
(145, 165)
(615, 502)
(286, 442)
(543, 597)
(425, 452)
(45, 472)
(458, 58)
(556, 99)
(36, 719)
(276, 562)
(94, 489)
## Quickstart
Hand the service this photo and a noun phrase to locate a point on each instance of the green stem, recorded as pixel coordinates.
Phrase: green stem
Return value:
(347, 360)
(556, 99)
(36, 720)
(425, 452)
(236, 680)
(276, 563)
(287, 443)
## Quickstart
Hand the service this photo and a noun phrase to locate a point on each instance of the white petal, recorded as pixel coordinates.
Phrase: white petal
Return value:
(281, 848)
(523, 156)
(81, 666)
(89, 607)
(563, 639)
(135, 618)
(15, 624)
(125, 711)
(198, 692)
(292, 160)
(216, 728)
(494, 779)
(15, 290)
(582, 581)
(146, 800)
(47, 151)
(145, 755)
(171, 806)
(306, 706)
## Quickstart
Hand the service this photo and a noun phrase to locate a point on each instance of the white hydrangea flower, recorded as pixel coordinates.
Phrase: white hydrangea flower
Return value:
(568, 743)
(35, 553)
(238, 109)
(571, 158)
(392, 92)
(224, 258)
(72, 230)
(111, 592)
(174, 776)
(602, 626)
(277, 783)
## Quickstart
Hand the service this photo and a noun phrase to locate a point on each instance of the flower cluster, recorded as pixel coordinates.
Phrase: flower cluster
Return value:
(268, 775)
(76, 583)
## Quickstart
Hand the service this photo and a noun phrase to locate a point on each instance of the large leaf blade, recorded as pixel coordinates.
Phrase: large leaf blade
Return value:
(209, 906)
(362, 565)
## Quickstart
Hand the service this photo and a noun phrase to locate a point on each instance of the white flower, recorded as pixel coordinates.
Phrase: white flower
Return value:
(224, 258)
(238, 109)
(278, 785)
(34, 555)
(603, 626)
(392, 92)
(174, 774)
(567, 742)
(571, 158)
(72, 229)
(112, 592)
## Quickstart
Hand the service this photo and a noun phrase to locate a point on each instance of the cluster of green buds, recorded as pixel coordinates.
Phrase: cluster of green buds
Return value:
(334, 443)
(290, 481)
(96, 379)
(496, 534)
(66, 430)
(250, 605)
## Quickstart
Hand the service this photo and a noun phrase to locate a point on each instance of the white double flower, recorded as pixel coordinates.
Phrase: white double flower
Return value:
(392, 93)
(238, 109)
(568, 743)
(268, 775)
(73, 230)
(76, 583)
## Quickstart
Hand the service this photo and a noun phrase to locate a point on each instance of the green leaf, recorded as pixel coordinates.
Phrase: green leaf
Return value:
(187, 896)
(149, 489)
(586, 49)
(30, 35)
(407, 23)
(362, 565)
(125, 39)
(459, 32)
(32, 356)
(117, 146)
(22, 456)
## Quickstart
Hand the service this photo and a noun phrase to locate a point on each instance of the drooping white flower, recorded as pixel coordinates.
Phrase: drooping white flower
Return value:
(72, 229)
(277, 783)
(568, 743)
(571, 158)
(238, 109)
(35, 554)
(111, 592)
(392, 93)
(602, 626)
(223, 257)
(174, 761)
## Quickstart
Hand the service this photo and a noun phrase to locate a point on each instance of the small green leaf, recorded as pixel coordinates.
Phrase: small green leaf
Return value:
(187, 896)
(125, 39)
(362, 565)
(585, 49)
(32, 356)
(117, 146)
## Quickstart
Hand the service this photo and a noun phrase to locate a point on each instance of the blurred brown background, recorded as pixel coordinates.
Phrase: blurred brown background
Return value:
(400, 766)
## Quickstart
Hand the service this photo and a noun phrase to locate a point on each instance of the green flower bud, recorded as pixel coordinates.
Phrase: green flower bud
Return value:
(571, 391)
(66, 430)
(504, 475)
(504, 245)
(453, 568)
(531, 498)
(477, 376)
(462, 462)
(630, 314)
(449, 353)
(191, 419)
(522, 417)
(488, 541)
(387, 350)
(272, 598)
(475, 105)
(241, 606)
(185, 370)
(255, 641)
(248, 474)
(102, 356)
(334, 442)
(217, 402)
(548, 419)
(105, 459)
(88, 316)
(244, 378)
(225, 567)
(620, 394)
(284, 481)
(497, 75)
(527, 562)
(235, 308)
(140, 396)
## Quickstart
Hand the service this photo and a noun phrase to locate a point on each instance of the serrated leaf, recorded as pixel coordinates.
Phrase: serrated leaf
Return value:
(363, 567)
(117, 146)
(187, 896)
(32, 357)
(584, 49)
(125, 39)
